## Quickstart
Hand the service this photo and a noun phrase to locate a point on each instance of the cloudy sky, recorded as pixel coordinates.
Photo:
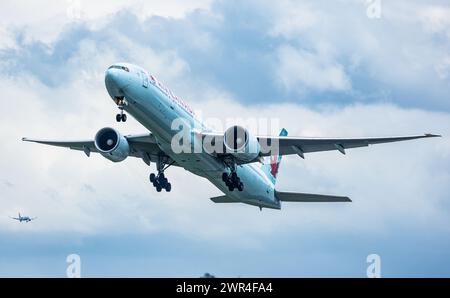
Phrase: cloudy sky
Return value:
(322, 69)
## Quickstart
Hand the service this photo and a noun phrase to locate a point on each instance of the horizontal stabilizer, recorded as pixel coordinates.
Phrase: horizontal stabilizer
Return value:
(224, 199)
(308, 198)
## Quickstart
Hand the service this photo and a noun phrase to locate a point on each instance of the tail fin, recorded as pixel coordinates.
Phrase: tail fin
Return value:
(272, 164)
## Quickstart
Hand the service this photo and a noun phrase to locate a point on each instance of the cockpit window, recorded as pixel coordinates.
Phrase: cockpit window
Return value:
(120, 67)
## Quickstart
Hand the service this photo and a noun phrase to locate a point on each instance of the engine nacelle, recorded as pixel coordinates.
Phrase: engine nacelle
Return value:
(111, 144)
(241, 144)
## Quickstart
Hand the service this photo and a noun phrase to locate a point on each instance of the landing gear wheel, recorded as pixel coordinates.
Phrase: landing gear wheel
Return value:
(163, 182)
(152, 177)
(159, 180)
(225, 177)
(232, 181)
(118, 117)
(124, 117)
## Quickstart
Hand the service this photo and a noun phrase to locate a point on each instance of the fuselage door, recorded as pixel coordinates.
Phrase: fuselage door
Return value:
(144, 79)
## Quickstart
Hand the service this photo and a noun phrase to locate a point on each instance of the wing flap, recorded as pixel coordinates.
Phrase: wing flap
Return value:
(309, 198)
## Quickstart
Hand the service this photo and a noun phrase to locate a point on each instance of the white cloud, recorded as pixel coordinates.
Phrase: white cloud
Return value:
(54, 15)
(298, 69)
(404, 50)
(6, 39)
(436, 18)
(443, 68)
(293, 18)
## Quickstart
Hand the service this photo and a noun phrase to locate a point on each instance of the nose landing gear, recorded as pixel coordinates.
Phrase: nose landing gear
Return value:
(120, 101)
(121, 117)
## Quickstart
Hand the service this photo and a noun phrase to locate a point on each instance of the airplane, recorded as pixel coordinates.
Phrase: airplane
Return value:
(23, 218)
(242, 165)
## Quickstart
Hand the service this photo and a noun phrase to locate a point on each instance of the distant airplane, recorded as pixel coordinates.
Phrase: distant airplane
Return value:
(24, 218)
(232, 164)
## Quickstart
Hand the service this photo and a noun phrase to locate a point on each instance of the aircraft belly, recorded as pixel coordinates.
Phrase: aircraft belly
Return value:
(158, 119)
(200, 163)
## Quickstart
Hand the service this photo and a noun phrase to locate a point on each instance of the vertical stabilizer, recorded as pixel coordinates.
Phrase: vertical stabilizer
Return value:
(272, 163)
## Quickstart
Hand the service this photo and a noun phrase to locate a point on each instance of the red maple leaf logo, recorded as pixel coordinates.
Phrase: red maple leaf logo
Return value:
(274, 166)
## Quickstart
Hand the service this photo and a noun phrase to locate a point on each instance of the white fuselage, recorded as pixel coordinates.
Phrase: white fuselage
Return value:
(155, 107)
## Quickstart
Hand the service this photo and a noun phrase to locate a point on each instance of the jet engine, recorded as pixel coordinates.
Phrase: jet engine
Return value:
(111, 144)
(241, 144)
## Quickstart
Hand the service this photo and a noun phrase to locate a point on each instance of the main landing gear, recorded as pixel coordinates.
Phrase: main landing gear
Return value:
(120, 101)
(159, 180)
(232, 180)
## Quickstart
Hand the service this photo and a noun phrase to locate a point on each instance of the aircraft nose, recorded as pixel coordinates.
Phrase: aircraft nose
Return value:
(117, 78)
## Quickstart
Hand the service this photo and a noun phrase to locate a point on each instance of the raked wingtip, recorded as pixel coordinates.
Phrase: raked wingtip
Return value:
(430, 135)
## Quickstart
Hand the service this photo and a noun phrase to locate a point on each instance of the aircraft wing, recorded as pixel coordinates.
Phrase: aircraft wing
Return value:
(142, 146)
(86, 145)
(299, 146)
